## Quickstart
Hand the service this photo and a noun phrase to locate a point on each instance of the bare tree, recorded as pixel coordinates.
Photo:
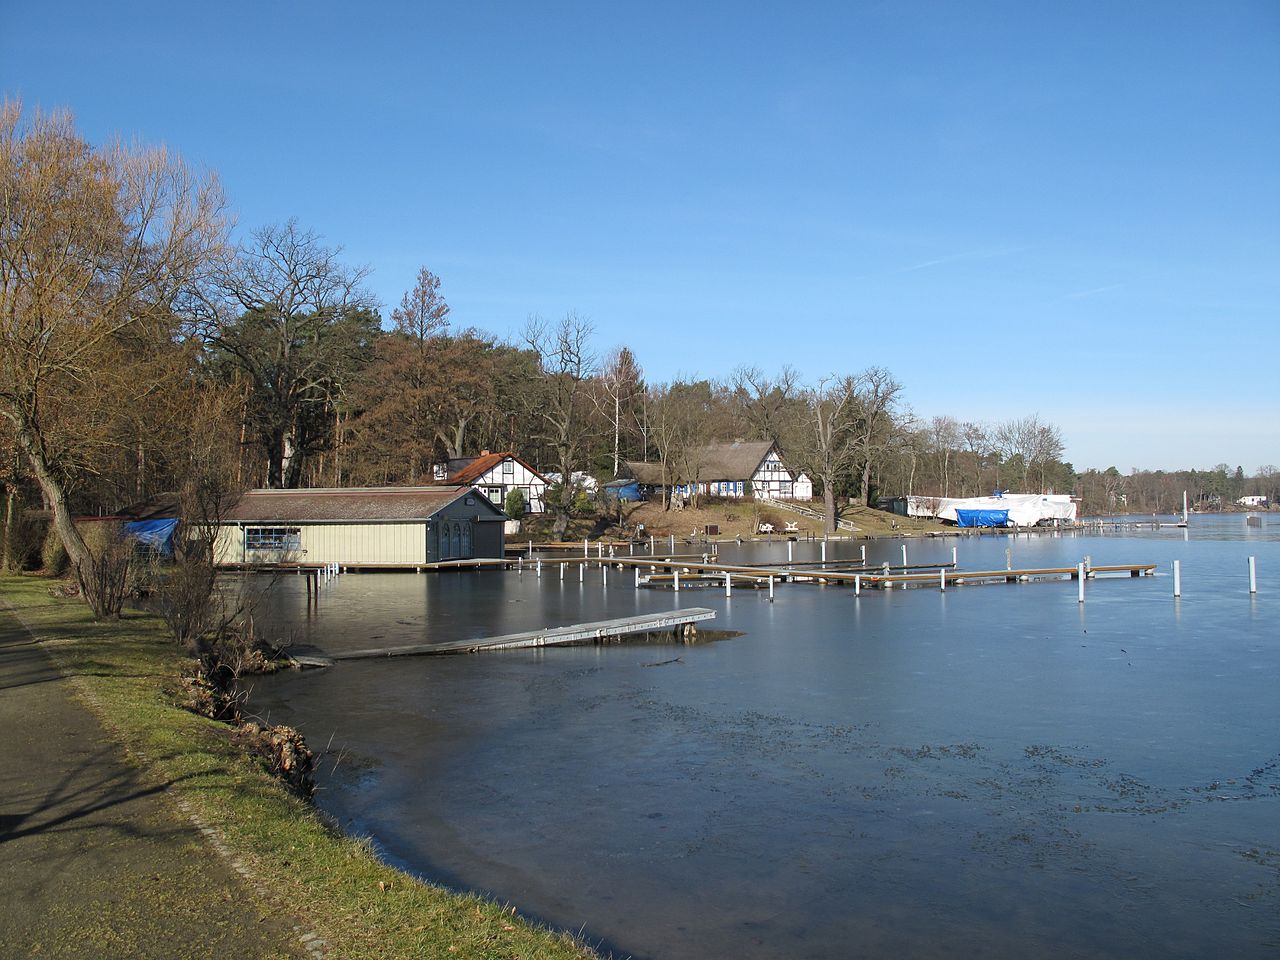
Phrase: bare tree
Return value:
(944, 436)
(827, 446)
(560, 401)
(621, 386)
(766, 403)
(297, 324)
(97, 246)
(423, 312)
(876, 395)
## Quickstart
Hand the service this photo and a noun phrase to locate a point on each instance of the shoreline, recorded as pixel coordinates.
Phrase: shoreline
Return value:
(338, 896)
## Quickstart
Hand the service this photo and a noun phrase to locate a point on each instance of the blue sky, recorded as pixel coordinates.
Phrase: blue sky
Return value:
(1064, 209)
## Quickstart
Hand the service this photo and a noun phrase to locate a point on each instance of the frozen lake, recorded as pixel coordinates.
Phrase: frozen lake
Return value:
(994, 771)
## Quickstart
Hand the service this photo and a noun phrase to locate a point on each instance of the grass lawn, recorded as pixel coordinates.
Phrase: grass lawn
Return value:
(128, 672)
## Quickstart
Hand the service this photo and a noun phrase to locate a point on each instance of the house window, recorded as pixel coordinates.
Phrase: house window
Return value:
(508, 468)
(494, 494)
(281, 539)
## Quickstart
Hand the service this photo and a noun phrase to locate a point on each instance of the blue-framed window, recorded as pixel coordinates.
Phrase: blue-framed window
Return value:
(272, 538)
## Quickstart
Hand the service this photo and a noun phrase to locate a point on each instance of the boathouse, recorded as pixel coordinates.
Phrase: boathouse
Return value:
(496, 474)
(364, 526)
(737, 469)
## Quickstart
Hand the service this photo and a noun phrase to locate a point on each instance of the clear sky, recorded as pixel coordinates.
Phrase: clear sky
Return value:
(1070, 209)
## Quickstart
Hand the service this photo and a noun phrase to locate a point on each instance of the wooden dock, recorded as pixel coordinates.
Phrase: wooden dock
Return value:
(677, 621)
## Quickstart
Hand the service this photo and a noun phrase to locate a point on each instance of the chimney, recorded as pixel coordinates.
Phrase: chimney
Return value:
(484, 453)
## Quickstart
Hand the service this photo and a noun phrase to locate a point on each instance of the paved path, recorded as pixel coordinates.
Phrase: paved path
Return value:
(95, 861)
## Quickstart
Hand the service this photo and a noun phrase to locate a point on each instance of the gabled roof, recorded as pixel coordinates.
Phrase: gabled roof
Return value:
(351, 504)
(478, 467)
(716, 461)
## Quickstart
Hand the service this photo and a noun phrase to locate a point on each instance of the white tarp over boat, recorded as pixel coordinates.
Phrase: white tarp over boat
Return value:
(1025, 509)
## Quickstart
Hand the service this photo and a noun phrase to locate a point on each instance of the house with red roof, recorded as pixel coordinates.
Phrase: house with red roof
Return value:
(496, 475)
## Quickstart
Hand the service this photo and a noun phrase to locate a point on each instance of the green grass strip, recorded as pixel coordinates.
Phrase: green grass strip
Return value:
(129, 673)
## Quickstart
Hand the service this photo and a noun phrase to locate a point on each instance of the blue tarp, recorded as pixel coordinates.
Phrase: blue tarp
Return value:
(982, 518)
(156, 534)
(623, 491)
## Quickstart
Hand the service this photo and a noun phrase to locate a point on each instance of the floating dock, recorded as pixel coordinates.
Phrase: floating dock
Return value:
(679, 622)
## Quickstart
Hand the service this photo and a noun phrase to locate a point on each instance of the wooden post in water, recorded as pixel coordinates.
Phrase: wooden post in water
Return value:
(1253, 574)
(1080, 577)
(1177, 578)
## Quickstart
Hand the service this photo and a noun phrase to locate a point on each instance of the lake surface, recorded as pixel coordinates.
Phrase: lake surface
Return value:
(992, 771)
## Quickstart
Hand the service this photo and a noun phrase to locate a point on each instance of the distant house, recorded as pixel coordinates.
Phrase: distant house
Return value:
(736, 469)
(371, 526)
(1253, 500)
(496, 475)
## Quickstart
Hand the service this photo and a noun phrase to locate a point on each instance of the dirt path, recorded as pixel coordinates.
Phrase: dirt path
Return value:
(95, 860)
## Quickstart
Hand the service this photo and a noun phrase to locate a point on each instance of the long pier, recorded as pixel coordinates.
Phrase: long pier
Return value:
(679, 622)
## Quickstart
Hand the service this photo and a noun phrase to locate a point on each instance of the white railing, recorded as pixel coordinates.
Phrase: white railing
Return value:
(805, 512)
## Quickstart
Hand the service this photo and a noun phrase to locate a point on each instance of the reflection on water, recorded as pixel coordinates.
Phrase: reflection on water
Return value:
(996, 770)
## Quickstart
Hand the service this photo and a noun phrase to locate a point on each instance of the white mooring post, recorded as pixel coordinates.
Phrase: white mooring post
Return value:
(676, 580)
(904, 556)
(586, 550)
(864, 553)
(789, 546)
(582, 572)
(530, 549)
(672, 538)
(1080, 578)
(600, 549)
(1008, 558)
(520, 565)
(539, 569)
(604, 575)
(631, 548)
(857, 584)
(1253, 574)
(824, 549)
(561, 569)
(728, 586)
(1177, 578)
(954, 561)
(650, 544)
(771, 588)
(942, 579)
(637, 570)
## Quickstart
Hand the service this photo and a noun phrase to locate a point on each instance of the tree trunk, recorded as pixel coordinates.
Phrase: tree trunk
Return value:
(5, 559)
(866, 482)
(829, 503)
(99, 591)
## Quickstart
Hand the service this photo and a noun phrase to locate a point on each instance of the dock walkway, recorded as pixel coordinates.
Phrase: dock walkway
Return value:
(677, 621)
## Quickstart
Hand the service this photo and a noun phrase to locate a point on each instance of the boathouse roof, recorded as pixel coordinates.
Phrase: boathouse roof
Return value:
(354, 504)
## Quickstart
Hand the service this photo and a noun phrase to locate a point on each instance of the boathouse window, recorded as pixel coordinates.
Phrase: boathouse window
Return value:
(272, 538)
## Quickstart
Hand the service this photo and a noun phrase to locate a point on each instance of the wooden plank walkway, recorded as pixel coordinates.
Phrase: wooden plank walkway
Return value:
(675, 621)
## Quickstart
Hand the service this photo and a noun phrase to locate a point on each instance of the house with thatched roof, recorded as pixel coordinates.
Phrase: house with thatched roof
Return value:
(737, 469)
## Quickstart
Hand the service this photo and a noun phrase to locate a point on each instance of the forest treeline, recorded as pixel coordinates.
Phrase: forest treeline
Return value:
(143, 351)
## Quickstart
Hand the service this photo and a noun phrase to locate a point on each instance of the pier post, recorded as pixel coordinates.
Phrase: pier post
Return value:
(672, 538)
(1253, 574)
(1080, 577)
(789, 546)
(676, 580)
(771, 588)
(586, 550)
(942, 579)
(728, 585)
(520, 565)
(637, 570)
(904, 556)
(582, 571)
(604, 575)
(864, 553)
(824, 549)
(530, 549)
(1177, 578)
(650, 544)
(561, 569)
(954, 561)
(1008, 558)
(539, 569)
